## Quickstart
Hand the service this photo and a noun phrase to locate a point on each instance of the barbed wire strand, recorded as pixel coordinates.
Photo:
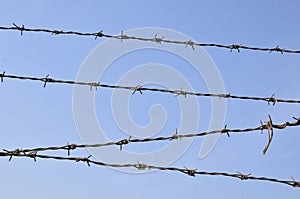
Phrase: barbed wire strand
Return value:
(267, 126)
(140, 166)
(270, 100)
(155, 39)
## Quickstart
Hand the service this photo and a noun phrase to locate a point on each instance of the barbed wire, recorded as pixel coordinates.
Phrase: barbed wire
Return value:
(155, 39)
(267, 126)
(270, 100)
(141, 166)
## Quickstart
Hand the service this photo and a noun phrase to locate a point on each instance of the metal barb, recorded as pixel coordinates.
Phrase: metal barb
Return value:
(235, 46)
(87, 160)
(269, 125)
(16, 152)
(33, 155)
(277, 49)
(57, 32)
(157, 39)
(243, 176)
(262, 127)
(123, 142)
(298, 119)
(175, 136)
(137, 88)
(94, 84)
(140, 166)
(71, 147)
(181, 92)
(190, 43)
(99, 34)
(122, 36)
(295, 183)
(272, 99)
(45, 80)
(225, 130)
(190, 172)
(2, 75)
(20, 28)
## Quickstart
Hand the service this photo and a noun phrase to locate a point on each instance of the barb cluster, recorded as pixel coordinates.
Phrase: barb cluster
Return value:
(140, 89)
(155, 39)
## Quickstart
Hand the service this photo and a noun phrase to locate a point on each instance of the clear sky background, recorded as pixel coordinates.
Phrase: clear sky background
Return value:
(33, 116)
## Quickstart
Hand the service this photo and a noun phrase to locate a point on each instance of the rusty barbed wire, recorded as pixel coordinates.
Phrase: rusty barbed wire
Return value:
(270, 100)
(155, 39)
(141, 166)
(267, 126)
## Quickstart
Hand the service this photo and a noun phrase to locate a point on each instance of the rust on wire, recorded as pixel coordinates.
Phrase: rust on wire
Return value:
(122, 37)
(140, 89)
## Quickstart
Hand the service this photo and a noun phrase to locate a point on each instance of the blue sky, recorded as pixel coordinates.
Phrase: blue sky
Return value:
(33, 116)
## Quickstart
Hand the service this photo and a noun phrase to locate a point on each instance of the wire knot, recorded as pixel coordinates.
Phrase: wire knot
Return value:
(99, 34)
(295, 183)
(71, 147)
(157, 39)
(243, 176)
(235, 46)
(123, 36)
(33, 155)
(272, 99)
(94, 84)
(20, 28)
(225, 130)
(85, 159)
(175, 136)
(228, 95)
(2, 75)
(277, 49)
(141, 166)
(123, 142)
(190, 172)
(46, 79)
(57, 32)
(190, 43)
(137, 88)
(15, 152)
(181, 92)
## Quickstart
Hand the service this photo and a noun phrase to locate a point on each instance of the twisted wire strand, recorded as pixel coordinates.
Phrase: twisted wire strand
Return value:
(155, 39)
(267, 126)
(141, 166)
(270, 100)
